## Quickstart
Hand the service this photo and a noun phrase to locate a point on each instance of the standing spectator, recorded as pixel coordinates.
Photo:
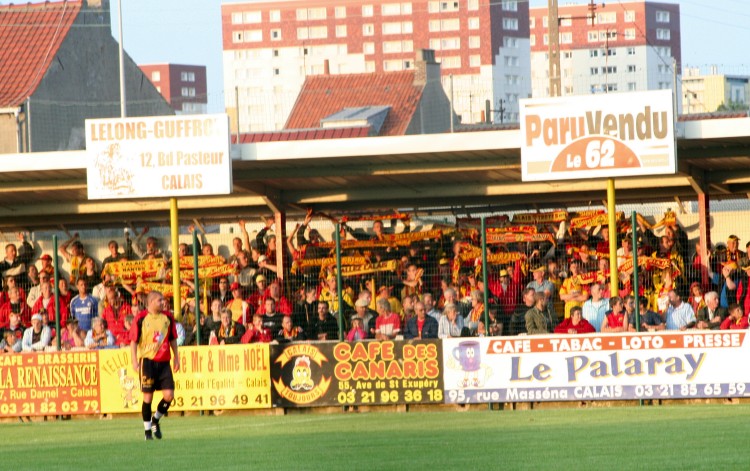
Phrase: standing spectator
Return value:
(83, 307)
(114, 311)
(90, 273)
(37, 337)
(325, 326)
(238, 306)
(281, 303)
(650, 321)
(537, 318)
(152, 246)
(518, 319)
(429, 305)
(271, 318)
(388, 323)
(306, 310)
(74, 256)
(114, 254)
(594, 310)
(573, 291)
(15, 261)
(35, 291)
(46, 303)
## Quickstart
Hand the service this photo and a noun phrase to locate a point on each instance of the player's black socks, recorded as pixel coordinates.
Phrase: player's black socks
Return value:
(162, 407)
(146, 411)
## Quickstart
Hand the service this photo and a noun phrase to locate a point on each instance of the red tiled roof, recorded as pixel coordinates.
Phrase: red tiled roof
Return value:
(30, 35)
(302, 134)
(324, 95)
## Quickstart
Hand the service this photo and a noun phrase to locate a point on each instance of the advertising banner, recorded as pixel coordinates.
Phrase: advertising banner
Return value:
(49, 384)
(597, 136)
(357, 373)
(675, 365)
(210, 378)
(158, 156)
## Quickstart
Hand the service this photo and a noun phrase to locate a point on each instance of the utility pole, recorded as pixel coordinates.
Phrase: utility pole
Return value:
(553, 49)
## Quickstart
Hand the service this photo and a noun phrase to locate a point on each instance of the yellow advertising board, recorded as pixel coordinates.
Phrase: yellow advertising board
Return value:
(216, 377)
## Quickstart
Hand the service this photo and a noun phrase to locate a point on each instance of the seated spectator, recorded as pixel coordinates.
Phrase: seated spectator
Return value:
(10, 343)
(238, 306)
(650, 321)
(680, 315)
(697, 301)
(364, 313)
(477, 311)
(616, 319)
(421, 326)
(99, 336)
(15, 325)
(72, 337)
(289, 332)
(37, 337)
(451, 323)
(36, 291)
(281, 303)
(736, 320)
(10, 283)
(272, 320)
(256, 332)
(306, 309)
(712, 314)
(388, 323)
(575, 324)
(229, 331)
(357, 332)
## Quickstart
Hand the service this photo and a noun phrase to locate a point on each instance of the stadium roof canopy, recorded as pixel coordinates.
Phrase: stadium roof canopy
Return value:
(457, 172)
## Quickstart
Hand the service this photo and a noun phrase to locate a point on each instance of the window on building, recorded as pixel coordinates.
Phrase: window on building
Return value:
(275, 34)
(187, 91)
(449, 6)
(532, 22)
(472, 5)
(340, 12)
(509, 41)
(545, 21)
(367, 10)
(368, 48)
(566, 38)
(237, 18)
(474, 42)
(545, 39)
(450, 43)
(566, 21)
(407, 64)
(253, 36)
(252, 17)
(567, 55)
(510, 5)
(237, 37)
(631, 68)
(340, 31)
(631, 51)
(593, 36)
(511, 61)
(606, 18)
(155, 76)
(532, 40)
(391, 65)
(276, 71)
(594, 70)
(632, 86)
(594, 53)
(662, 16)
(475, 60)
(629, 34)
(611, 69)
(304, 14)
(391, 9)
(274, 16)
(187, 76)
(397, 28)
(663, 33)
(629, 16)
(275, 53)
(510, 24)
(368, 29)
(450, 62)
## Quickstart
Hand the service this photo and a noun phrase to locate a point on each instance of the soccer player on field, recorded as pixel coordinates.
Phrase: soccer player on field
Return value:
(152, 335)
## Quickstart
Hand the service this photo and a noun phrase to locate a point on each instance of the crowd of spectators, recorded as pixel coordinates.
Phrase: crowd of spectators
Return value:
(425, 285)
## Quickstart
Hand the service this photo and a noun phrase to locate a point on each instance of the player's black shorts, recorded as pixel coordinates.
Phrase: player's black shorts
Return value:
(156, 375)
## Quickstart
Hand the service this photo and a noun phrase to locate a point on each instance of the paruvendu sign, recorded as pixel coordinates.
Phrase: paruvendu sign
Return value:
(158, 156)
(597, 136)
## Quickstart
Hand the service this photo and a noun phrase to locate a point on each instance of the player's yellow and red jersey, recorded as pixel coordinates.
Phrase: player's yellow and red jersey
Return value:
(152, 333)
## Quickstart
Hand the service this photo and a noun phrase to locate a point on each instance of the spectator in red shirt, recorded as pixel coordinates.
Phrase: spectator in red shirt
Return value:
(575, 324)
(736, 320)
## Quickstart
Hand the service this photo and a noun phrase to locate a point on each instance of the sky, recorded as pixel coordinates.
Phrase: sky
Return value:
(189, 32)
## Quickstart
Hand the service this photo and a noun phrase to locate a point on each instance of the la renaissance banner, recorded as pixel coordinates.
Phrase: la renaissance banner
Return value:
(597, 367)
(597, 136)
(210, 378)
(358, 373)
(158, 156)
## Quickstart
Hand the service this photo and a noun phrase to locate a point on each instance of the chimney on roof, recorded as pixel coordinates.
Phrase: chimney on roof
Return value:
(96, 11)
(326, 67)
(426, 69)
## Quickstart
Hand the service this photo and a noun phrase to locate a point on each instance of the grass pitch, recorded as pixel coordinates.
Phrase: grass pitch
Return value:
(679, 437)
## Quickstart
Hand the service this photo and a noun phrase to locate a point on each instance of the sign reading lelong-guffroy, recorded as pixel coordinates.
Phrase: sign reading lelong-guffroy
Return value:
(158, 156)
(597, 136)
